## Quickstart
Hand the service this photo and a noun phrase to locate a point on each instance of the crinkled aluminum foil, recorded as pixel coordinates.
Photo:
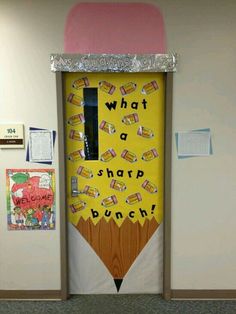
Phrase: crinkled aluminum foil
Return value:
(113, 63)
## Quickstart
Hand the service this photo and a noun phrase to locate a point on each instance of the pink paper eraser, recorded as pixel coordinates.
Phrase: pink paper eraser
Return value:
(114, 28)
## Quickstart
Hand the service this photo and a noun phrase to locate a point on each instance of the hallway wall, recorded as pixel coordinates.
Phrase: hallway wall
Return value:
(203, 189)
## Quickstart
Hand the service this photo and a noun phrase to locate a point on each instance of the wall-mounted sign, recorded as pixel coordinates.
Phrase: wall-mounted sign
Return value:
(12, 136)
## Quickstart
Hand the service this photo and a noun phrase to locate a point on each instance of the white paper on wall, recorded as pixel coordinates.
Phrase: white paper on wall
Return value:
(40, 145)
(194, 143)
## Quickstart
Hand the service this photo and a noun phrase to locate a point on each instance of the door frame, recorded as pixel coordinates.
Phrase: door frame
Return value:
(168, 76)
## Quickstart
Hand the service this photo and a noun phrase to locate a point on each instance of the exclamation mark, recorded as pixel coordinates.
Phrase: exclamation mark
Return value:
(152, 209)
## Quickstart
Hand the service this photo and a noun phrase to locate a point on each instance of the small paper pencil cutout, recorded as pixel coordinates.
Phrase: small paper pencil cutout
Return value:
(107, 87)
(91, 191)
(76, 119)
(76, 135)
(134, 198)
(85, 172)
(76, 155)
(109, 201)
(75, 100)
(128, 88)
(150, 154)
(108, 155)
(118, 185)
(145, 132)
(149, 186)
(76, 207)
(129, 156)
(81, 83)
(149, 88)
(107, 127)
(130, 119)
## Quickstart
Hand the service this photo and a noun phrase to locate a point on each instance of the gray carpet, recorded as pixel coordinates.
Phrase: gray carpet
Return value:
(117, 304)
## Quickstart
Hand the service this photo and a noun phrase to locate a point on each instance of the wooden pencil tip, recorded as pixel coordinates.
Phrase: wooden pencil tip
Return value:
(118, 283)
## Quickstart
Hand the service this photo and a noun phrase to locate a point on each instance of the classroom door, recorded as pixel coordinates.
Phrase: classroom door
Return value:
(115, 164)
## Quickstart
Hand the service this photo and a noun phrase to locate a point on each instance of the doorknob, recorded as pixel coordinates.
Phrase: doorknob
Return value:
(74, 187)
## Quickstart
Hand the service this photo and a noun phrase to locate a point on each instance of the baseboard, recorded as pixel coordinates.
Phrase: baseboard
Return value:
(203, 294)
(31, 294)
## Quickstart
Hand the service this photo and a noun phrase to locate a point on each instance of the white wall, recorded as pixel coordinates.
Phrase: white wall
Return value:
(28, 33)
(203, 189)
(204, 198)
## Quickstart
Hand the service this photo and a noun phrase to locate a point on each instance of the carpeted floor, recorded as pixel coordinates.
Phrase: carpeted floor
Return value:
(122, 304)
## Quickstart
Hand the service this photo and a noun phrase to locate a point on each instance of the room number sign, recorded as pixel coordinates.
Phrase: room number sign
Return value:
(11, 136)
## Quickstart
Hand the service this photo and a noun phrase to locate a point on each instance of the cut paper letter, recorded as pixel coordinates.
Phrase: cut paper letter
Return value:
(194, 143)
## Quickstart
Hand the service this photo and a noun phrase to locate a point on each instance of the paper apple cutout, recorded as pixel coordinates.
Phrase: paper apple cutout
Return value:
(27, 193)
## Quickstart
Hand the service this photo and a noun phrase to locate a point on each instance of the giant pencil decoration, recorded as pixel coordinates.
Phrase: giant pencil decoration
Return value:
(114, 132)
(117, 246)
